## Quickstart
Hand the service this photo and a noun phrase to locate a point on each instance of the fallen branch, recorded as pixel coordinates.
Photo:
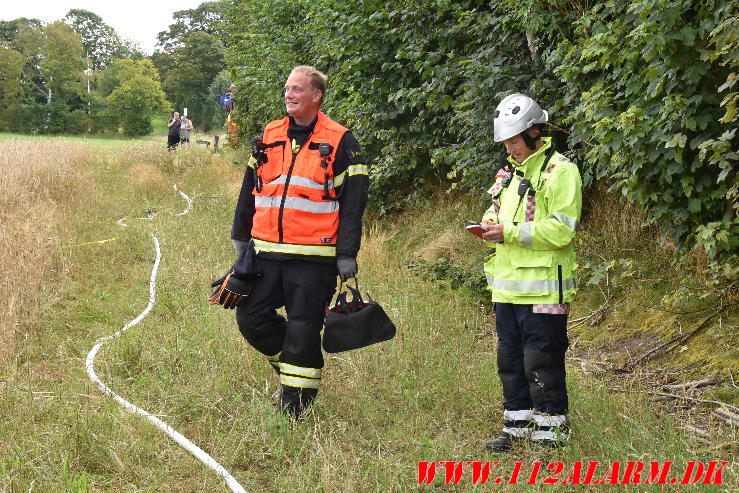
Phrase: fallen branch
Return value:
(690, 385)
(649, 353)
(582, 320)
(673, 312)
(720, 446)
(675, 341)
(595, 366)
(696, 431)
(705, 441)
(727, 416)
(694, 399)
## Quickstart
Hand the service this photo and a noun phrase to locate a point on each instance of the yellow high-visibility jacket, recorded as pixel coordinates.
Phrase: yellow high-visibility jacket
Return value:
(535, 264)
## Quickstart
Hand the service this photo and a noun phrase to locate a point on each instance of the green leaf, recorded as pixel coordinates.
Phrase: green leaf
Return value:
(694, 205)
(678, 139)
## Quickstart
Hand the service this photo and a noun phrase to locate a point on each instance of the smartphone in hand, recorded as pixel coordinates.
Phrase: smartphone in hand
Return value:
(475, 228)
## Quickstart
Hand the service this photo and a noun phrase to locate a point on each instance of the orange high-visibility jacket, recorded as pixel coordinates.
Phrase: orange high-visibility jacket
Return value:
(291, 206)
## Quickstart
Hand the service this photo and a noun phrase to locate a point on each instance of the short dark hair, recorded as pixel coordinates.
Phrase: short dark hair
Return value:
(529, 140)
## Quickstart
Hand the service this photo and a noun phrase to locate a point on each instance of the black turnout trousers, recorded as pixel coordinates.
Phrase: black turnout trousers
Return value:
(304, 288)
(531, 359)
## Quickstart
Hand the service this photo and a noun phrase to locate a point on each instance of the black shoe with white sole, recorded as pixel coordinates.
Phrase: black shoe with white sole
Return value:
(503, 443)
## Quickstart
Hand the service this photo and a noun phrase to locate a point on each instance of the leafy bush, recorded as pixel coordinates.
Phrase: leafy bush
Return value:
(651, 111)
(138, 95)
(471, 280)
(134, 124)
(642, 93)
(53, 118)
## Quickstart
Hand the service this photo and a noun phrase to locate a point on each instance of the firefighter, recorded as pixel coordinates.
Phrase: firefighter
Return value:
(531, 224)
(301, 203)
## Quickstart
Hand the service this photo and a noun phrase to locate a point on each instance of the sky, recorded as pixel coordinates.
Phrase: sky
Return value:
(137, 20)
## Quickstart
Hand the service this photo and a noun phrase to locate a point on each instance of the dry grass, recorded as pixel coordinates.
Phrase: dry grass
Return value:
(144, 153)
(444, 246)
(38, 180)
(617, 221)
(145, 174)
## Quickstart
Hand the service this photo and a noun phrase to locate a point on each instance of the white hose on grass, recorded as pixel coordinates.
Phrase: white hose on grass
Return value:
(173, 434)
(188, 199)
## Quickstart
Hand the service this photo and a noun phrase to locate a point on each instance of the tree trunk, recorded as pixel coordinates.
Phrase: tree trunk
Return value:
(531, 40)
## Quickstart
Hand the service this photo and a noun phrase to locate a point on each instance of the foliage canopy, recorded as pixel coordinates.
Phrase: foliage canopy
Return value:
(643, 93)
(137, 96)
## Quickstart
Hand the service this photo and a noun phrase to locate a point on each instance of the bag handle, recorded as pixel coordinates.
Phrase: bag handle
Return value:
(342, 303)
(356, 302)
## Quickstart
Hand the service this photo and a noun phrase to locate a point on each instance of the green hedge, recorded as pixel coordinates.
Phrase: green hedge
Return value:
(642, 93)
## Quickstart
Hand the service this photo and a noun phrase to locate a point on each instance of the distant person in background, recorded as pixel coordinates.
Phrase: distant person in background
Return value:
(536, 203)
(174, 125)
(185, 129)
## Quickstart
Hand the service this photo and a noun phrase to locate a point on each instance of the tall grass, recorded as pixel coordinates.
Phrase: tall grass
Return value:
(429, 394)
(39, 183)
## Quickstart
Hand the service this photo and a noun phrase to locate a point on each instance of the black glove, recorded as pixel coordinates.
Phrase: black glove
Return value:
(347, 267)
(230, 291)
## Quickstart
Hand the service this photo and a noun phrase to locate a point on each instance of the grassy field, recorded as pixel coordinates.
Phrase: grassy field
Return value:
(159, 125)
(431, 394)
(159, 135)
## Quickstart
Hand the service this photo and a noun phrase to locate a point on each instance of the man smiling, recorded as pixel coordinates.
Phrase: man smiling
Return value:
(301, 203)
(301, 99)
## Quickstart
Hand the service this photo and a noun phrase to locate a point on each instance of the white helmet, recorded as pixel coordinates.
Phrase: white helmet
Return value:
(515, 114)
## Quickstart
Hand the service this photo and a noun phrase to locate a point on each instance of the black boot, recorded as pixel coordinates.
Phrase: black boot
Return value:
(295, 400)
(503, 443)
(516, 427)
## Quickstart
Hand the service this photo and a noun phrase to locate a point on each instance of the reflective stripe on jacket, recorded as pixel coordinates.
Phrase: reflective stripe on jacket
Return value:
(536, 262)
(293, 212)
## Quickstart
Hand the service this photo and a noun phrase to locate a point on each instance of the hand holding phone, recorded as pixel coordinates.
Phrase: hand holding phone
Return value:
(476, 229)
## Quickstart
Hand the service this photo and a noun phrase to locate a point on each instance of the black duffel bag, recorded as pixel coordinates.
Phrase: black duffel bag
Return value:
(355, 324)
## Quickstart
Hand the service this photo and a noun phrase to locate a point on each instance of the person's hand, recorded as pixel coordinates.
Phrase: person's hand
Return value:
(493, 233)
(347, 267)
(486, 223)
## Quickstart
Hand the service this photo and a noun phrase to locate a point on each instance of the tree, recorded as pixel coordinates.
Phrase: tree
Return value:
(9, 29)
(208, 17)
(647, 85)
(643, 92)
(62, 63)
(164, 62)
(29, 41)
(215, 114)
(100, 41)
(137, 96)
(198, 61)
(11, 90)
(264, 43)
